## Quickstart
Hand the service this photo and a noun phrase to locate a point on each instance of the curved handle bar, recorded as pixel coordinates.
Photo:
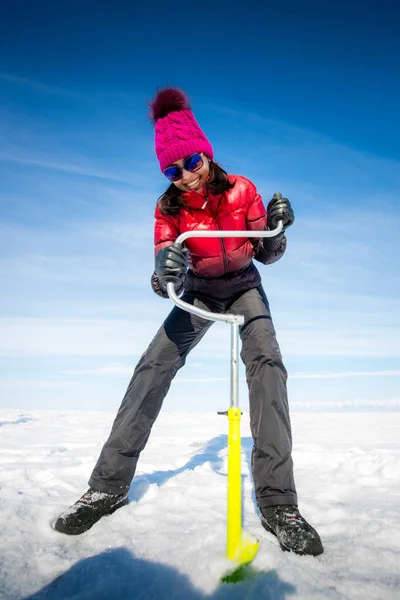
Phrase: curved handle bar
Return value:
(200, 312)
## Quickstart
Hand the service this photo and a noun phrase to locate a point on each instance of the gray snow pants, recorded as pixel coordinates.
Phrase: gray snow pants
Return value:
(266, 376)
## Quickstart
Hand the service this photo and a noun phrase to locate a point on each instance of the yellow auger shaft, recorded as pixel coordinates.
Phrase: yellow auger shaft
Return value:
(234, 532)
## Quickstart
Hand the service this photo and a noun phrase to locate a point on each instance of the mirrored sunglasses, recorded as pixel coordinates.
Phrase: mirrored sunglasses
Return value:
(192, 163)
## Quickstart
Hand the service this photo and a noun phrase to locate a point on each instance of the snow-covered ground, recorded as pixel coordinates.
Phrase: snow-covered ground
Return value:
(169, 542)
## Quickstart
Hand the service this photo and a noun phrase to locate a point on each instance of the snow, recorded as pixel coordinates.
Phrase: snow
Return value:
(169, 542)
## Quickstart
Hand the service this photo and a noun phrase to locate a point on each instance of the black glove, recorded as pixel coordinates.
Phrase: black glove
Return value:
(171, 265)
(279, 209)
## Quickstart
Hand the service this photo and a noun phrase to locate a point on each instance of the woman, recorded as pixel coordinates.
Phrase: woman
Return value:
(221, 277)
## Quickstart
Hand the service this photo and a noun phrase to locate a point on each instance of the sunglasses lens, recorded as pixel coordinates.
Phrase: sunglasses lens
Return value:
(193, 162)
(173, 173)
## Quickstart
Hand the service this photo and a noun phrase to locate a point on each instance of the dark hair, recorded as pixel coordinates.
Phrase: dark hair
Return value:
(171, 201)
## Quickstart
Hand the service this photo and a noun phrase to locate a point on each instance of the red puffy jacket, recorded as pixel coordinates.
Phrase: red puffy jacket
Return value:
(239, 208)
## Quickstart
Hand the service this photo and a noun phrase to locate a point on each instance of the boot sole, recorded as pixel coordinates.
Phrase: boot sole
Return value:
(61, 527)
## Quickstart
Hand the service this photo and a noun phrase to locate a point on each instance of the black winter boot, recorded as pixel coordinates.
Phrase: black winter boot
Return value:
(88, 510)
(291, 529)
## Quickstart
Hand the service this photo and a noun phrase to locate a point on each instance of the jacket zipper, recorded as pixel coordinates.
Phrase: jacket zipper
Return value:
(224, 253)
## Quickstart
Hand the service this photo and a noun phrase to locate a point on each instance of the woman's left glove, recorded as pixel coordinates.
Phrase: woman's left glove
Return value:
(171, 265)
(279, 209)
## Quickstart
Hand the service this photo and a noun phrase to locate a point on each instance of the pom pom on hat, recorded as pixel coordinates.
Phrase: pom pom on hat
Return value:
(166, 101)
(177, 133)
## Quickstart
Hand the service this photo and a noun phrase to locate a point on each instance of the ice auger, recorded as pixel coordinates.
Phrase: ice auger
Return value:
(241, 547)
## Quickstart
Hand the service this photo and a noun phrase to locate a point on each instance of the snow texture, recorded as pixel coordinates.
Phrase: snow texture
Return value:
(169, 542)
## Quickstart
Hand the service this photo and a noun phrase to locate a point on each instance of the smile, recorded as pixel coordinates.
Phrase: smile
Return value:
(193, 184)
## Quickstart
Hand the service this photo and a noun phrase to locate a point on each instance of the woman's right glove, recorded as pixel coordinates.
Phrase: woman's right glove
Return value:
(171, 265)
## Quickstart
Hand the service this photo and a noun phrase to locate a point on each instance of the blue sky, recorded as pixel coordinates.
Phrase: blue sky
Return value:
(302, 99)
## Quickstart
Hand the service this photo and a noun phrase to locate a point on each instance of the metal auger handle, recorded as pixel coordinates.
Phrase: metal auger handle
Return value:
(200, 312)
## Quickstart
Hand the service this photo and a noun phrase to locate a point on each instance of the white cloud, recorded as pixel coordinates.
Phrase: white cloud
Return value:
(94, 254)
(72, 94)
(345, 374)
(358, 404)
(112, 370)
(108, 337)
(119, 370)
(83, 337)
(106, 394)
(12, 153)
(38, 86)
(367, 341)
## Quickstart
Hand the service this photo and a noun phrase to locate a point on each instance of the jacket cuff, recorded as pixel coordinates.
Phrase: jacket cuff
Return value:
(159, 289)
(156, 286)
(273, 243)
(271, 252)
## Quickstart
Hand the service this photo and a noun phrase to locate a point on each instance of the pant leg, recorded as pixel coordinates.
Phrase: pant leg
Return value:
(142, 402)
(266, 376)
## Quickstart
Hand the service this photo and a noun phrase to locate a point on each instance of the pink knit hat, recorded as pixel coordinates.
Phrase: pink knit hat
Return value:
(177, 133)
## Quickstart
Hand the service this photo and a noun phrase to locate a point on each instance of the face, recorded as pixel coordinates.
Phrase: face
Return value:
(193, 180)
